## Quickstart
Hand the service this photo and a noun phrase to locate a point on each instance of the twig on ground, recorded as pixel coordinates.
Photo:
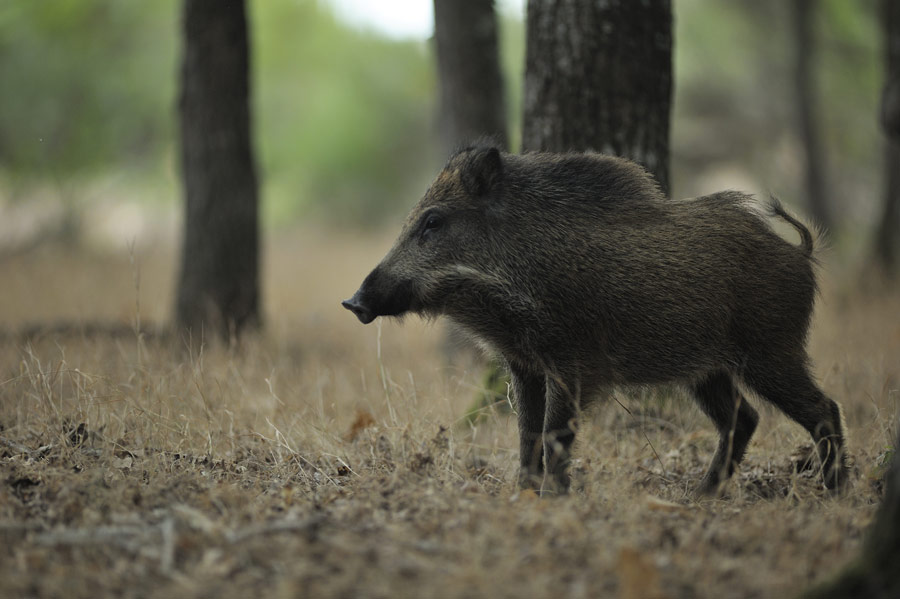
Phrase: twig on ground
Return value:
(279, 526)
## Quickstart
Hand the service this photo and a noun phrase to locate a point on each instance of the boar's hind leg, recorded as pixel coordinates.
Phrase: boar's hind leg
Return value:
(528, 393)
(789, 386)
(735, 420)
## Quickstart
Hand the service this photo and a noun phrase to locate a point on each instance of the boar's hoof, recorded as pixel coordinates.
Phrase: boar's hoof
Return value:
(529, 480)
(555, 484)
(709, 488)
(838, 480)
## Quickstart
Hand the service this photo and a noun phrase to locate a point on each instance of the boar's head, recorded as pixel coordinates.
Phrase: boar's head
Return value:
(446, 233)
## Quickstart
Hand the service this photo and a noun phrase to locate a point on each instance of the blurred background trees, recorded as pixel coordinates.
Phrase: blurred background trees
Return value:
(87, 87)
(345, 117)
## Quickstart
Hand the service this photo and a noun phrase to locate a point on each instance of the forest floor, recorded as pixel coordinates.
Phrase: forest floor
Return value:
(327, 459)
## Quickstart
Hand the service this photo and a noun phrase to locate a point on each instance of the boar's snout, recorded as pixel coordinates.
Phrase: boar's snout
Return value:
(355, 305)
(381, 294)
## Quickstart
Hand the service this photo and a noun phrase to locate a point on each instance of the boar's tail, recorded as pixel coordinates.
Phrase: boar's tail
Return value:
(806, 236)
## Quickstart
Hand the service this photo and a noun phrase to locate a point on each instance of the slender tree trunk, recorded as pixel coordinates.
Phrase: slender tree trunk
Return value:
(806, 105)
(472, 104)
(219, 282)
(887, 238)
(598, 76)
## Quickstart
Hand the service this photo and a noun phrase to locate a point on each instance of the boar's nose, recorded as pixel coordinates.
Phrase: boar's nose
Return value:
(353, 304)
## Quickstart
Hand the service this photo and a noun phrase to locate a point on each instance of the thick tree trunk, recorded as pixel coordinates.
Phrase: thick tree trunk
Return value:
(472, 104)
(598, 76)
(887, 239)
(806, 107)
(219, 283)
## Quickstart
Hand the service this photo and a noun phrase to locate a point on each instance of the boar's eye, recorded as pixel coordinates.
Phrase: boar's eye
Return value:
(432, 223)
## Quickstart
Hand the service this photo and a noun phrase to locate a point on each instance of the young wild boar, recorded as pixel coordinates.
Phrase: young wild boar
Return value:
(580, 275)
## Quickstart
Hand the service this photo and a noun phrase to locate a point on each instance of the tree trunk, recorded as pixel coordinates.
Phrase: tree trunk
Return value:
(887, 239)
(805, 101)
(219, 282)
(598, 76)
(472, 104)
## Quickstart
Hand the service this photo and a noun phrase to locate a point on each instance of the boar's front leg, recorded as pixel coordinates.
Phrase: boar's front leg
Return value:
(559, 433)
(528, 394)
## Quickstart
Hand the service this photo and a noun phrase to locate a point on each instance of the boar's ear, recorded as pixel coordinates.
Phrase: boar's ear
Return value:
(482, 171)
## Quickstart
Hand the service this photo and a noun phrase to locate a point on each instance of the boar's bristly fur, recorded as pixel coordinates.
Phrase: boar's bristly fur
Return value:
(579, 274)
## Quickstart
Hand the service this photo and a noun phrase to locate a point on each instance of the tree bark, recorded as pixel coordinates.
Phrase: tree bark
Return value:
(598, 76)
(806, 106)
(472, 103)
(887, 238)
(219, 281)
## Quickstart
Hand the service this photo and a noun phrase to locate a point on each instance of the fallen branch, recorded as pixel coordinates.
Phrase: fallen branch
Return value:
(281, 526)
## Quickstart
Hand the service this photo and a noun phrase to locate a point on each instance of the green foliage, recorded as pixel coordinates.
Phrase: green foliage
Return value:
(850, 78)
(512, 64)
(87, 84)
(345, 118)
(345, 123)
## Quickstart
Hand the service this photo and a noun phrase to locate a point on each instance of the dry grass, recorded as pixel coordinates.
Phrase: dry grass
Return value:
(318, 461)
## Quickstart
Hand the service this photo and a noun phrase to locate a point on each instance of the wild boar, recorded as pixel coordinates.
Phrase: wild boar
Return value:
(580, 275)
